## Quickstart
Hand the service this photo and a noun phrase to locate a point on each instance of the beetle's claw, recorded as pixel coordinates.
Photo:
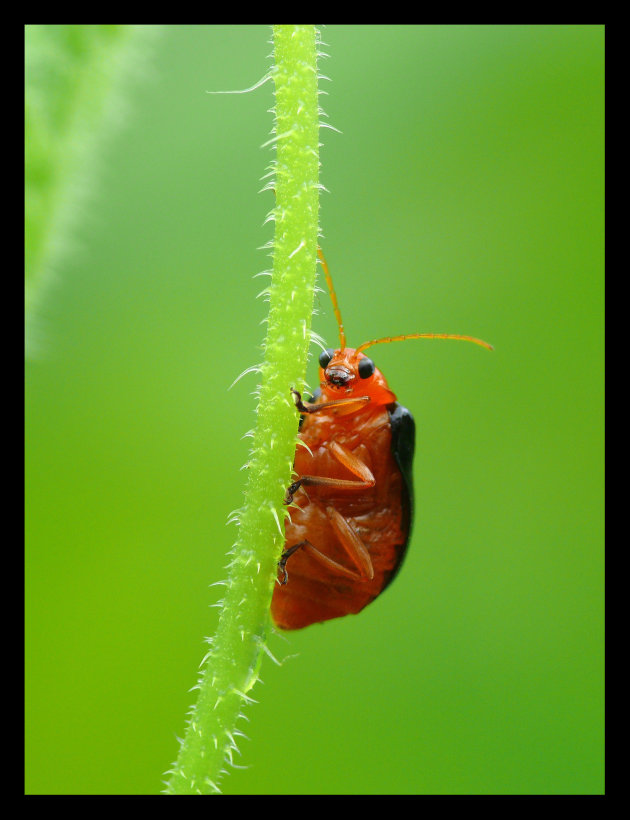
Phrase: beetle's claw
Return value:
(282, 567)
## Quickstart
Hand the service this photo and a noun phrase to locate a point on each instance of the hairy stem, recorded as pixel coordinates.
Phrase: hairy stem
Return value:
(233, 662)
(76, 77)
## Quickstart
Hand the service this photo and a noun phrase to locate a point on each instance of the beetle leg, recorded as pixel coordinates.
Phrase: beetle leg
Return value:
(310, 407)
(303, 407)
(282, 563)
(349, 540)
(350, 461)
(353, 463)
(329, 563)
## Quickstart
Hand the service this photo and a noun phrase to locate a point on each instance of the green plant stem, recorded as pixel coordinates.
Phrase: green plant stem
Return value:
(232, 665)
(75, 82)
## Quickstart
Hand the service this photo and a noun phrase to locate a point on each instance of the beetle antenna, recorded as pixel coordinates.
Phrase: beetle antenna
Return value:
(333, 299)
(424, 336)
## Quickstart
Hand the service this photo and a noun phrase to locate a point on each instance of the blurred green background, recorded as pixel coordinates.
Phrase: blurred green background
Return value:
(466, 196)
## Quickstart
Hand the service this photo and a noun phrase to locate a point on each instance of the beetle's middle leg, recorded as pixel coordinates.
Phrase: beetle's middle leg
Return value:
(350, 461)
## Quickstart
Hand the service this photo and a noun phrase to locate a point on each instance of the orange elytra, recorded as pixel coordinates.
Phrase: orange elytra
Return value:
(352, 499)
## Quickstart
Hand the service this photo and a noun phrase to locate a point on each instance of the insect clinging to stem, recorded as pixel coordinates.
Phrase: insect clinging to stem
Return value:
(352, 499)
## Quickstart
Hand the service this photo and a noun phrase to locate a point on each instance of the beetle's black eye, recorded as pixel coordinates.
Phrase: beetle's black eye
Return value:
(324, 357)
(366, 368)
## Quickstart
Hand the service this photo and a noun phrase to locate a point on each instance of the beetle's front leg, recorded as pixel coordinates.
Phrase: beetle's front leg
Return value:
(301, 406)
(312, 407)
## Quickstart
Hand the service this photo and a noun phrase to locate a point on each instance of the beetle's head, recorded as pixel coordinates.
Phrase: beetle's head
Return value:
(345, 372)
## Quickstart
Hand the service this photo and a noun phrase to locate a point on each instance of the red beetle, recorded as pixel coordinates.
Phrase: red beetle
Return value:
(352, 500)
